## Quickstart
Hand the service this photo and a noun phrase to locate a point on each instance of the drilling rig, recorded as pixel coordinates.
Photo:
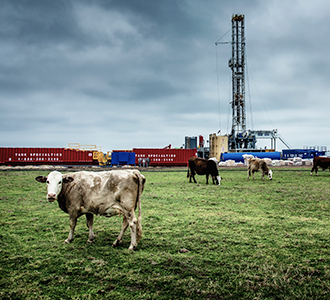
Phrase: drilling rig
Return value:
(236, 63)
(240, 139)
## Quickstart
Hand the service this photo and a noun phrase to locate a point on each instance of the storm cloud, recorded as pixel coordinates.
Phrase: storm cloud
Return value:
(125, 74)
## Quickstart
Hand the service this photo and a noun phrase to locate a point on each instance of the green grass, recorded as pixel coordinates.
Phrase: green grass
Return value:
(245, 240)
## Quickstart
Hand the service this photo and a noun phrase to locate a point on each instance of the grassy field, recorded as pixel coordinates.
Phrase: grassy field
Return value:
(242, 240)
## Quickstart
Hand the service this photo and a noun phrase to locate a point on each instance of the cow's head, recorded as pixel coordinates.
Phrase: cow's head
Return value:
(270, 175)
(213, 168)
(54, 182)
(218, 179)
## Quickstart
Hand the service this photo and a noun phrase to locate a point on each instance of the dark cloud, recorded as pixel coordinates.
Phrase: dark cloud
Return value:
(124, 74)
(37, 23)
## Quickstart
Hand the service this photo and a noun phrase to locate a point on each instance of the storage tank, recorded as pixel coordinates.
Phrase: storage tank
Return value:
(190, 142)
(218, 145)
(238, 156)
(201, 141)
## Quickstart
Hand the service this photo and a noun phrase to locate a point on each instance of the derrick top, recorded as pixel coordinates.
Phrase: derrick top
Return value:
(237, 17)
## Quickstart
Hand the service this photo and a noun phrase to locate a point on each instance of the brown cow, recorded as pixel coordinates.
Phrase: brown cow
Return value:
(322, 162)
(203, 166)
(257, 164)
(106, 193)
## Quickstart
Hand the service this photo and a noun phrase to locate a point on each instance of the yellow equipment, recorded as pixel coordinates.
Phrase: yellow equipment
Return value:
(98, 155)
(102, 158)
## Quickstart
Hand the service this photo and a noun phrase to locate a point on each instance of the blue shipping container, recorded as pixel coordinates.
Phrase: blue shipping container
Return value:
(302, 153)
(238, 156)
(122, 158)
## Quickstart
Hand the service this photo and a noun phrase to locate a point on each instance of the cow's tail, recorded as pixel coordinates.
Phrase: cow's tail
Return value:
(141, 183)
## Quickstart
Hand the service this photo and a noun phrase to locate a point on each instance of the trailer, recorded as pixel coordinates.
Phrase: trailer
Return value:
(164, 157)
(302, 153)
(45, 156)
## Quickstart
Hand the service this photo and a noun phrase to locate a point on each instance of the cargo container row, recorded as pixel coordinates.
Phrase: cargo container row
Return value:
(45, 156)
(63, 156)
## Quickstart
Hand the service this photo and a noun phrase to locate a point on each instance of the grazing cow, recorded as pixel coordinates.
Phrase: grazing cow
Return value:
(322, 162)
(106, 193)
(203, 166)
(257, 164)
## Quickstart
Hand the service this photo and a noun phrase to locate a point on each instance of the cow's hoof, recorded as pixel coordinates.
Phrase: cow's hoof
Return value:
(116, 243)
(67, 241)
(89, 241)
(131, 248)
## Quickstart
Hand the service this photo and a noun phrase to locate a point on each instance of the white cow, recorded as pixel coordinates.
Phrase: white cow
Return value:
(257, 164)
(106, 193)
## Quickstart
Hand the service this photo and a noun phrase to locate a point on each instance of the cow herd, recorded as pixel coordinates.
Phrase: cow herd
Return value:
(118, 192)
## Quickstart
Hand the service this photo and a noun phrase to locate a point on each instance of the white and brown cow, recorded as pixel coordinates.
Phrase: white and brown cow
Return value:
(257, 164)
(106, 193)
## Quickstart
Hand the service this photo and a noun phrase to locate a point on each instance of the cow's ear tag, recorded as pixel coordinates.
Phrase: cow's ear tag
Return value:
(67, 179)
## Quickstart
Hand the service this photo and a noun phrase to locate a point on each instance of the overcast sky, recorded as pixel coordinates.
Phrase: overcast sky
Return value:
(146, 73)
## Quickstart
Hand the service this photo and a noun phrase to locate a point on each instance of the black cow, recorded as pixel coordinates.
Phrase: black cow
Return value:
(203, 166)
(322, 162)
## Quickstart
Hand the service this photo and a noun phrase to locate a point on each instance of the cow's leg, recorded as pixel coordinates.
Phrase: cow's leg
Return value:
(253, 175)
(121, 234)
(129, 219)
(262, 176)
(248, 174)
(89, 222)
(133, 228)
(192, 175)
(189, 174)
(312, 170)
(207, 178)
(73, 222)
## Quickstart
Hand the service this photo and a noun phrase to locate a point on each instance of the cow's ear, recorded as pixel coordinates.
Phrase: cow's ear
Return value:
(67, 179)
(41, 179)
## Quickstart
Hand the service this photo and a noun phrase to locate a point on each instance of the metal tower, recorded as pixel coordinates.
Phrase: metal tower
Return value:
(240, 138)
(237, 64)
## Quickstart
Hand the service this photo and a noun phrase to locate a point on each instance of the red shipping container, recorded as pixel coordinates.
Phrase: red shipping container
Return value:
(165, 157)
(45, 156)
